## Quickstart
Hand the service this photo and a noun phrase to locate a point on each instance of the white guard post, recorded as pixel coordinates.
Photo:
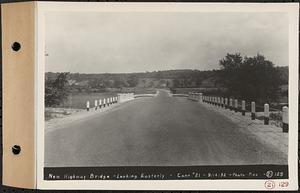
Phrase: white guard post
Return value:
(96, 104)
(100, 103)
(253, 110)
(87, 105)
(266, 114)
(243, 107)
(285, 119)
(230, 104)
(226, 103)
(236, 106)
(104, 102)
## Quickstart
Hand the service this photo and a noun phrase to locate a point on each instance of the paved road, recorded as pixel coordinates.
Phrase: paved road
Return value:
(156, 131)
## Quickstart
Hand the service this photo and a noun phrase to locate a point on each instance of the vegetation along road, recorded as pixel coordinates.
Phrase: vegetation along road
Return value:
(157, 131)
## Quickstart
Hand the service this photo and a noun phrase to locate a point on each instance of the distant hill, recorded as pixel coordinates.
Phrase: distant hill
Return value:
(157, 79)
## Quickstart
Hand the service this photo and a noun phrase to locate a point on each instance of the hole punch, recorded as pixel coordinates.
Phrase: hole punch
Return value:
(16, 149)
(16, 46)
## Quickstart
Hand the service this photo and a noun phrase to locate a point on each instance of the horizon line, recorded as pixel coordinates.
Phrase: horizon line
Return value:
(143, 71)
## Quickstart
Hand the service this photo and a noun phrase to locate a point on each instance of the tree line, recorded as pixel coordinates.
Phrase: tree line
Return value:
(250, 78)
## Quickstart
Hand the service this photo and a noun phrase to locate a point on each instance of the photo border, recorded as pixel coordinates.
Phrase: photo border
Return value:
(290, 8)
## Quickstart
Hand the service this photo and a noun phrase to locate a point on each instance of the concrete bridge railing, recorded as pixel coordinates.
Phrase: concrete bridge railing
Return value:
(105, 102)
(123, 97)
(120, 98)
(195, 96)
(144, 95)
(180, 95)
(233, 105)
(101, 103)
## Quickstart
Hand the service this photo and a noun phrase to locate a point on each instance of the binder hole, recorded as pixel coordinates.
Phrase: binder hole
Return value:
(16, 46)
(16, 149)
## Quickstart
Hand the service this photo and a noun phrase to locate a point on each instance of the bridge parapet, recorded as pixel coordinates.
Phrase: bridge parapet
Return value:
(195, 96)
(123, 97)
(144, 95)
(180, 95)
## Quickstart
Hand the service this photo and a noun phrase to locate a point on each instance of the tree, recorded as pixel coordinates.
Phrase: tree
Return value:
(230, 66)
(118, 83)
(56, 91)
(252, 78)
(132, 80)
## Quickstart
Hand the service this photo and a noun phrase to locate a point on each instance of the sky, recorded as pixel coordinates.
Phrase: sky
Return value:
(97, 42)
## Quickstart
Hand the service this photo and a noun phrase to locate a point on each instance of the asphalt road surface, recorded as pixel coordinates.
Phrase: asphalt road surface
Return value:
(158, 131)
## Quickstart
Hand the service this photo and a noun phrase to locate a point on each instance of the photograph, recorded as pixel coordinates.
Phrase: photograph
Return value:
(151, 96)
(164, 91)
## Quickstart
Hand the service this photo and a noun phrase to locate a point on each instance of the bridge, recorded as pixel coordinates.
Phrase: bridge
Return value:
(162, 130)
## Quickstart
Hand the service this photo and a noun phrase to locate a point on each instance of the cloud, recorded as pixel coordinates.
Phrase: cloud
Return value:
(137, 42)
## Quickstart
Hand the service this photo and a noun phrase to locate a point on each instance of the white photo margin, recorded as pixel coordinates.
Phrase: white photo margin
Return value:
(290, 8)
